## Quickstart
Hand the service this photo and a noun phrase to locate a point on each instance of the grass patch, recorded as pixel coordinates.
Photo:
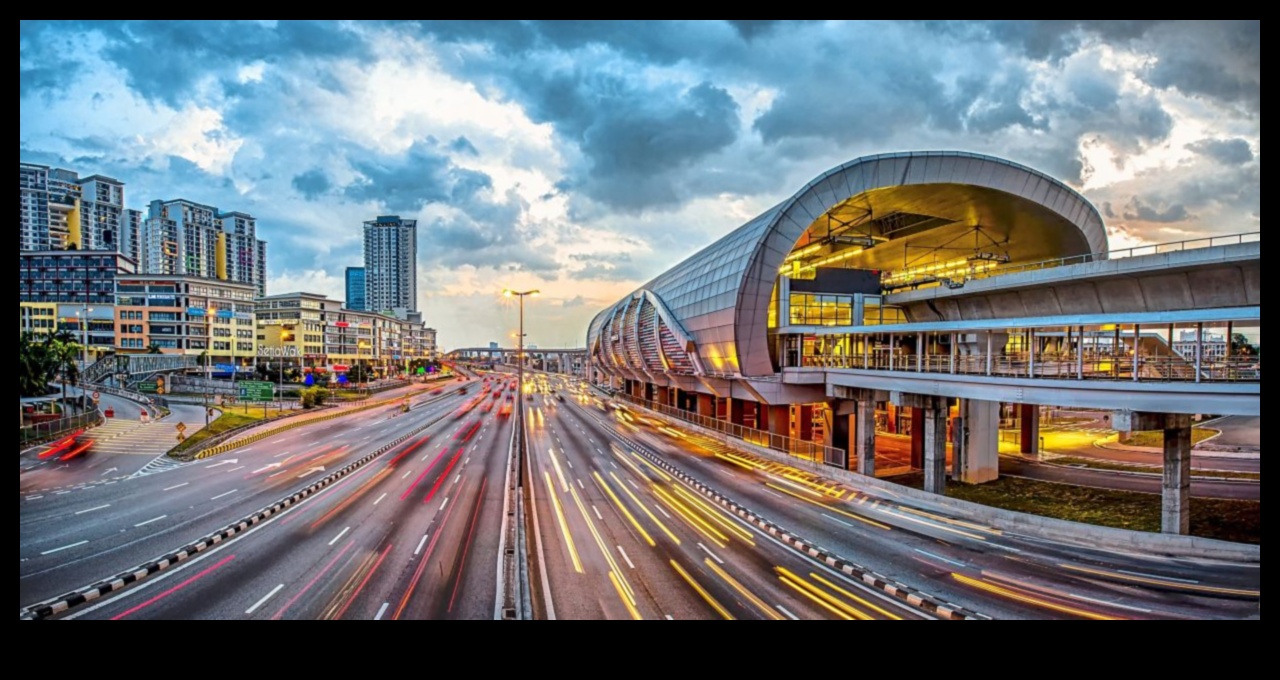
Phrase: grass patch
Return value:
(1155, 438)
(1227, 520)
(1095, 464)
(229, 420)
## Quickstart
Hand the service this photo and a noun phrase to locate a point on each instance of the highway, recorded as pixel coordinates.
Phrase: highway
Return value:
(411, 535)
(617, 531)
(979, 568)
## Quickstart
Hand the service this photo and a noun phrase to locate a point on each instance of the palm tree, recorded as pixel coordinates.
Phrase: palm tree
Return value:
(33, 366)
(64, 355)
(153, 348)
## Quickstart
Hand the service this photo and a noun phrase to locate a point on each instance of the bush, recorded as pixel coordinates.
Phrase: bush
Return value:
(308, 399)
(319, 395)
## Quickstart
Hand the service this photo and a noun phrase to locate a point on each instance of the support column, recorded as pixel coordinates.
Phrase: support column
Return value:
(1175, 506)
(734, 410)
(841, 425)
(1175, 487)
(975, 442)
(1029, 415)
(865, 437)
(935, 446)
(917, 438)
(780, 420)
(706, 406)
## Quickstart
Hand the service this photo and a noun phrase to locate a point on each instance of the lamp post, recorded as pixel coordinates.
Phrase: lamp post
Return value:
(84, 332)
(208, 361)
(520, 342)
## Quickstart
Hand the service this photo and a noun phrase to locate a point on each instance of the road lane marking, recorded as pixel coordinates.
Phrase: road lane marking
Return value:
(34, 498)
(713, 555)
(406, 474)
(65, 547)
(597, 511)
(339, 536)
(264, 600)
(788, 614)
(100, 507)
(939, 557)
(281, 455)
(59, 493)
(224, 495)
(624, 556)
(381, 610)
(580, 486)
(446, 502)
(150, 521)
(234, 469)
(380, 499)
(826, 516)
(177, 487)
(664, 512)
(420, 544)
(569, 463)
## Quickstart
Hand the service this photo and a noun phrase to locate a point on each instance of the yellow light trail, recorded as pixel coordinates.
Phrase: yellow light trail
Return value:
(631, 608)
(702, 591)
(855, 598)
(645, 508)
(564, 526)
(626, 513)
(696, 522)
(729, 459)
(559, 472)
(1019, 597)
(604, 549)
(649, 465)
(1163, 583)
(809, 596)
(742, 590)
(715, 516)
(626, 461)
(838, 511)
(825, 596)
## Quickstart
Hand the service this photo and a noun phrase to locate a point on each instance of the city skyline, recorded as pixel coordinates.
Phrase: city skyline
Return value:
(583, 159)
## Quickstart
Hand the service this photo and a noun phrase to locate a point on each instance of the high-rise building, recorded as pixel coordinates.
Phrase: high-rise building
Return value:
(182, 237)
(131, 235)
(390, 262)
(59, 210)
(355, 288)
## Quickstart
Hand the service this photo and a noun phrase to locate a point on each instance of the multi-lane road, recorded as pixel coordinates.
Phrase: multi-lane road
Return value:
(616, 531)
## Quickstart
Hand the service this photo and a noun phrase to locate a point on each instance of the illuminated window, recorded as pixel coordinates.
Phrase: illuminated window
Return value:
(821, 310)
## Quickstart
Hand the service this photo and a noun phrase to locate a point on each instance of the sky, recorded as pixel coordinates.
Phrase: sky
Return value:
(584, 158)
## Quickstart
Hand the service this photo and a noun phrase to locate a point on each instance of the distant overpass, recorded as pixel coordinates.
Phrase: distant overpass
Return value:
(569, 361)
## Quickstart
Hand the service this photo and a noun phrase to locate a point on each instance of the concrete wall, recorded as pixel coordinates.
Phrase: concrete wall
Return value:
(1205, 278)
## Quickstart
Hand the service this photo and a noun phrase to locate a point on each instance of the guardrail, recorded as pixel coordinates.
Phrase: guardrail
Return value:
(52, 429)
(1056, 367)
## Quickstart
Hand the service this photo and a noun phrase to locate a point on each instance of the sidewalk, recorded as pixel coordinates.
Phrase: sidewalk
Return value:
(1195, 452)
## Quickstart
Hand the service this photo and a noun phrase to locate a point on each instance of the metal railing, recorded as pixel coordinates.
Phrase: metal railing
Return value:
(1058, 366)
(1135, 251)
(52, 429)
(809, 451)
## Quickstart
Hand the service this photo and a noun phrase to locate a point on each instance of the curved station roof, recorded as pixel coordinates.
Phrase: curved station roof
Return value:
(911, 219)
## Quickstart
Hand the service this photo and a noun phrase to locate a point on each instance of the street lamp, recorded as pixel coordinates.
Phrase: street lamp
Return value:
(84, 332)
(520, 346)
(208, 361)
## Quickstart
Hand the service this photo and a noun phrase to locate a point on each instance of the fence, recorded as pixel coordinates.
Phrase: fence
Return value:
(39, 432)
(810, 451)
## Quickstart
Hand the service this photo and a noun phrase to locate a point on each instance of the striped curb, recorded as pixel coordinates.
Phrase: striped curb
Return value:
(63, 603)
(915, 598)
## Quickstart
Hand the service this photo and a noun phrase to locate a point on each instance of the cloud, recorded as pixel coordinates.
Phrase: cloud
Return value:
(312, 184)
(1225, 151)
(1135, 209)
(406, 182)
(575, 301)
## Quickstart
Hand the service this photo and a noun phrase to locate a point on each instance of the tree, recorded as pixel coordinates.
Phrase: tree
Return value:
(1240, 345)
(35, 368)
(153, 348)
(358, 373)
(64, 355)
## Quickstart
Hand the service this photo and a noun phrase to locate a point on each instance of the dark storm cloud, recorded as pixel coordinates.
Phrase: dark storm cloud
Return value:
(165, 60)
(1135, 209)
(1225, 151)
(1218, 60)
(312, 184)
(405, 182)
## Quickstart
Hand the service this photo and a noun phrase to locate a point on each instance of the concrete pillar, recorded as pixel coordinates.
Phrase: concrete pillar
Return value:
(706, 406)
(734, 410)
(935, 447)
(1030, 419)
(864, 433)
(917, 437)
(780, 420)
(1175, 509)
(841, 426)
(975, 442)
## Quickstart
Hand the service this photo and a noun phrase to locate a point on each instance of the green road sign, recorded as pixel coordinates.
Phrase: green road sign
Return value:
(149, 387)
(254, 390)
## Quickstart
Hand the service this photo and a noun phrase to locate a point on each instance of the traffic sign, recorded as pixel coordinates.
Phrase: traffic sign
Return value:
(149, 387)
(181, 427)
(257, 390)
(96, 396)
